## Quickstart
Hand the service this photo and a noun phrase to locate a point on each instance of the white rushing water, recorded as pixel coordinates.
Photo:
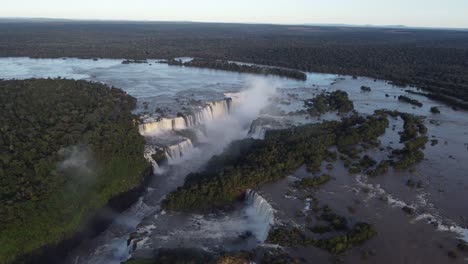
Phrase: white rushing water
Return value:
(219, 123)
(211, 111)
(241, 229)
(149, 151)
(261, 209)
(175, 153)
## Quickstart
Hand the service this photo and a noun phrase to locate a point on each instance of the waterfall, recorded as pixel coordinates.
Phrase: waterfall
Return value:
(211, 111)
(157, 126)
(259, 127)
(257, 132)
(174, 153)
(235, 98)
(261, 210)
(149, 151)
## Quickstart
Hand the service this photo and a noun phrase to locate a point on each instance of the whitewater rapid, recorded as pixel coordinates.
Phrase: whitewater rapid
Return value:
(186, 143)
(211, 111)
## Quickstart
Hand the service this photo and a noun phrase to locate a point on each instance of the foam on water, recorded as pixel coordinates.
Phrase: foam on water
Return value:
(433, 218)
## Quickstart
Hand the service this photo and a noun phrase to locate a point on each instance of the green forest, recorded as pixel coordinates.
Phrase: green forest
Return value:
(237, 67)
(435, 60)
(249, 163)
(66, 148)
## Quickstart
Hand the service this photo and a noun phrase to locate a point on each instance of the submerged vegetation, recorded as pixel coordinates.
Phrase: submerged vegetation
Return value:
(335, 236)
(248, 163)
(313, 182)
(66, 148)
(406, 99)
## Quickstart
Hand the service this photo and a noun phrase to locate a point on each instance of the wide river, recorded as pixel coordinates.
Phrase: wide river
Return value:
(425, 237)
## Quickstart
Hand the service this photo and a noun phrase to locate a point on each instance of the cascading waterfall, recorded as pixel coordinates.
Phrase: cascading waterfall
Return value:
(210, 111)
(261, 209)
(257, 132)
(163, 124)
(174, 153)
(148, 153)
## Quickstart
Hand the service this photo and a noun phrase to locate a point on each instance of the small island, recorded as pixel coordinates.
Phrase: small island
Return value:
(237, 67)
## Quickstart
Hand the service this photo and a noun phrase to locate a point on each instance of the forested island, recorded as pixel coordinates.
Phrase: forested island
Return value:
(66, 148)
(249, 163)
(236, 67)
(432, 59)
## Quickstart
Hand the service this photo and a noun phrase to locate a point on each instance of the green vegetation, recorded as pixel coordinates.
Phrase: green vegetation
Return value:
(413, 136)
(66, 148)
(406, 99)
(288, 237)
(236, 67)
(434, 60)
(327, 102)
(365, 88)
(134, 61)
(360, 233)
(335, 221)
(381, 168)
(313, 182)
(367, 162)
(435, 110)
(415, 139)
(249, 163)
(338, 238)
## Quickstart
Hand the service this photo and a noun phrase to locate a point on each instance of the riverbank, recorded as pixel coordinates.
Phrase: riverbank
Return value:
(57, 254)
(67, 148)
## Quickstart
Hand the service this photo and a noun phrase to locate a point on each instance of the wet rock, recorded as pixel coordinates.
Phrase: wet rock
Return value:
(131, 237)
(408, 210)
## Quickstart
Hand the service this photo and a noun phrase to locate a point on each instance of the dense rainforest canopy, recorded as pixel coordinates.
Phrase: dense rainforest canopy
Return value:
(66, 148)
(249, 163)
(435, 60)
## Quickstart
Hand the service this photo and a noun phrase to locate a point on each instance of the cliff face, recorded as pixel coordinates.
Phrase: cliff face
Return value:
(66, 149)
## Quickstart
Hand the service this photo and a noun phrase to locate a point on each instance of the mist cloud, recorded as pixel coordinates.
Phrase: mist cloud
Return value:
(77, 163)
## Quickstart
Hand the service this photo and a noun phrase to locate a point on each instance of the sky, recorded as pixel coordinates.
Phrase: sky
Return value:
(417, 13)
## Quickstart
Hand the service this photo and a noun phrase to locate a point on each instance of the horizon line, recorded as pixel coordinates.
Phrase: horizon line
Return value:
(396, 26)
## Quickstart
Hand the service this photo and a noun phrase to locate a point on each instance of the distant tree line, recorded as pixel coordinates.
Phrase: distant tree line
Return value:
(237, 67)
(434, 60)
